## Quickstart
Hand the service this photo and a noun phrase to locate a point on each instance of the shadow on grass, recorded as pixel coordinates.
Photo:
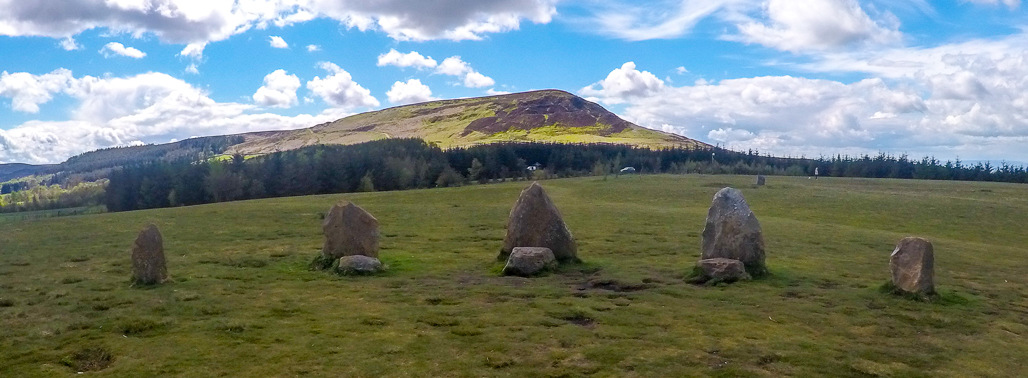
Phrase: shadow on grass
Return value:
(945, 298)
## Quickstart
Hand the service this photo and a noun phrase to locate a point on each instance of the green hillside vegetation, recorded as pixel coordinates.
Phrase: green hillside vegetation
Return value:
(243, 303)
(549, 116)
(33, 193)
(539, 116)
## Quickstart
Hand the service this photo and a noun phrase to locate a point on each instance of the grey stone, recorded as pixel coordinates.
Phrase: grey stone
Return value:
(359, 264)
(528, 261)
(148, 264)
(913, 266)
(760, 180)
(349, 230)
(721, 270)
(733, 232)
(535, 222)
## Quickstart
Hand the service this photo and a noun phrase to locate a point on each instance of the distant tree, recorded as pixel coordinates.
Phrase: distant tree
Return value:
(366, 184)
(223, 184)
(475, 172)
(449, 177)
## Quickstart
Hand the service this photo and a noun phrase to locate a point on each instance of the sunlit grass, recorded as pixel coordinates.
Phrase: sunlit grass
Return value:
(243, 302)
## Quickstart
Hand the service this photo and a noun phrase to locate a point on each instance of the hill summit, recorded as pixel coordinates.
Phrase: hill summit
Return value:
(537, 116)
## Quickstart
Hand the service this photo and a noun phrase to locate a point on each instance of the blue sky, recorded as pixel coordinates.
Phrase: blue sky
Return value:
(796, 78)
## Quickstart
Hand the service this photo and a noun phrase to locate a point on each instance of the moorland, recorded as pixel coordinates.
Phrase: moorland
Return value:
(242, 301)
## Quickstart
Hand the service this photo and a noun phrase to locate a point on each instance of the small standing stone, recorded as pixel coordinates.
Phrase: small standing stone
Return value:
(535, 222)
(760, 180)
(720, 270)
(913, 266)
(358, 264)
(527, 261)
(148, 264)
(349, 230)
(733, 232)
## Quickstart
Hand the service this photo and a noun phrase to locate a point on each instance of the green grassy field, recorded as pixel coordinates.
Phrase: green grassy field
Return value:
(244, 304)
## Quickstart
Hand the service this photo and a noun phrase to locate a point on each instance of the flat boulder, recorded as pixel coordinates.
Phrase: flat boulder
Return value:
(720, 270)
(148, 264)
(529, 261)
(733, 232)
(349, 231)
(913, 266)
(358, 265)
(535, 222)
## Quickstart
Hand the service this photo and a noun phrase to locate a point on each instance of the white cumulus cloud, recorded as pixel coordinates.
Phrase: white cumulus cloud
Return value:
(277, 42)
(193, 50)
(69, 44)
(313, 48)
(411, 59)
(119, 111)
(623, 84)
(817, 25)
(115, 48)
(197, 23)
(474, 79)
(279, 90)
(28, 91)
(339, 90)
(415, 20)
(409, 92)
(970, 103)
(452, 66)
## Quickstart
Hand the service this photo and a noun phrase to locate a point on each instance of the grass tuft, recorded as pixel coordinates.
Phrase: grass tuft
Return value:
(890, 288)
(139, 326)
(247, 262)
(89, 359)
(321, 262)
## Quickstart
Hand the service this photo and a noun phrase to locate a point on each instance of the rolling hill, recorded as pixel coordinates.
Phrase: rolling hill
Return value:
(538, 116)
(16, 170)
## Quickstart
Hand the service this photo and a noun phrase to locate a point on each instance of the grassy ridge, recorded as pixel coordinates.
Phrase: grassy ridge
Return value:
(243, 302)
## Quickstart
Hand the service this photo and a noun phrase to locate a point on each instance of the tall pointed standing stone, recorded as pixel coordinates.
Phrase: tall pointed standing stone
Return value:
(148, 264)
(349, 230)
(913, 266)
(535, 222)
(733, 232)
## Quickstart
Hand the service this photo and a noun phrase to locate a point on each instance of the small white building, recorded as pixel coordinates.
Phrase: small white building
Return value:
(628, 170)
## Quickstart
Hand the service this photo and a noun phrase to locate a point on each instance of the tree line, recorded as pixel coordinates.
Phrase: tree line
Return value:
(32, 196)
(397, 164)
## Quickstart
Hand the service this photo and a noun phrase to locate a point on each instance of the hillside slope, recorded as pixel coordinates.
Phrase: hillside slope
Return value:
(538, 116)
(17, 170)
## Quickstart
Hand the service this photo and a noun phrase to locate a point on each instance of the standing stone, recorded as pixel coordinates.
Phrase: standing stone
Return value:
(733, 232)
(349, 230)
(760, 180)
(148, 264)
(527, 261)
(535, 222)
(913, 266)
